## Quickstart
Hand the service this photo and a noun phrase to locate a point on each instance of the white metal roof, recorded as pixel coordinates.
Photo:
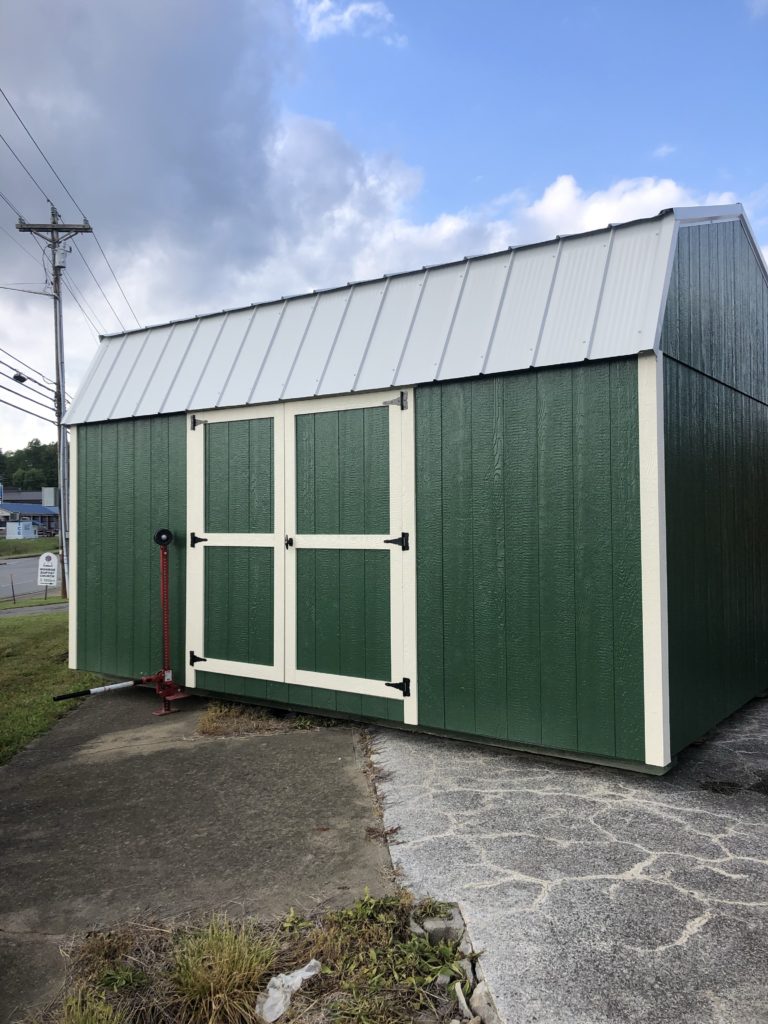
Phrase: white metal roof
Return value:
(588, 296)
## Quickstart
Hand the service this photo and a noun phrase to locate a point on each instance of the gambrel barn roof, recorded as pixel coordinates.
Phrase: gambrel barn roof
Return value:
(596, 295)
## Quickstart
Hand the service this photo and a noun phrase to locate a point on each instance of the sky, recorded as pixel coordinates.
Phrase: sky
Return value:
(234, 152)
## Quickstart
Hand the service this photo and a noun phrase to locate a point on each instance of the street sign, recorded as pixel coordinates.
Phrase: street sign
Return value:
(48, 570)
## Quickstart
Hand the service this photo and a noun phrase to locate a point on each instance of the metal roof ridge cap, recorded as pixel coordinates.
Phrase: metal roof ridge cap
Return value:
(723, 211)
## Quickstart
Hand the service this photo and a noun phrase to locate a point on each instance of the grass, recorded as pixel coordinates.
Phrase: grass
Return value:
(221, 719)
(374, 970)
(24, 548)
(33, 667)
(31, 602)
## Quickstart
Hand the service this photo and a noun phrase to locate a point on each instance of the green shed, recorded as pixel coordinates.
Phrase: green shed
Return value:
(519, 498)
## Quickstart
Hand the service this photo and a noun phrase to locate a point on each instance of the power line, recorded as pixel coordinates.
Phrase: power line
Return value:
(77, 205)
(18, 243)
(106, 299)
(15, 368)
(24, 398)
(26, 383)
(85, 302)
(21, 163)
(22, 363)
(6, 200)
(85, 315)
(27, 411)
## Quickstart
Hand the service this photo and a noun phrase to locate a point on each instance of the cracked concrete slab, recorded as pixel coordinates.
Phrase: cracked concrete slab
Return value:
(599, 897)
(116, 815)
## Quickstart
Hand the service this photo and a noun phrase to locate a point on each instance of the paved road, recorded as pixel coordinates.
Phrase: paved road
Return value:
(600, 897)
(24, 572)
(115, 815)
(38, 609)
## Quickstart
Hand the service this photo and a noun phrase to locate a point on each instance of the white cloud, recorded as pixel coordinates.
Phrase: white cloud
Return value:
(664, 150)
(206, 195)
(757, 8)
(323, 18)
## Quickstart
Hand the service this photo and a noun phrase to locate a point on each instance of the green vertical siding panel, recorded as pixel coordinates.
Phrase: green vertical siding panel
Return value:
(124, 548)
(83, 523)
(521, 546)
(177, 553)
(305, 474)
(351, 471)
(108, 542)
(376, 461)
(262, 484)
(143, 553)
(131, 481)
(352, 612)
(458, 590)
(593, 559)
(556, 560)
(90, 536)
(429, 556)
(239, 604)
(488, 558)
(217, 454)
(378, 637)
(326, 466)
(627, 580)
(239, 476)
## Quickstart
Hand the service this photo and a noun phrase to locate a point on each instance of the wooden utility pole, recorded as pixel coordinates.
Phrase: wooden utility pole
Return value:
(55, 235)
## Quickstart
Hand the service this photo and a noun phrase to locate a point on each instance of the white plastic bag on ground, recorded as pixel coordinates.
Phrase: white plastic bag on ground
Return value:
(275, 1001)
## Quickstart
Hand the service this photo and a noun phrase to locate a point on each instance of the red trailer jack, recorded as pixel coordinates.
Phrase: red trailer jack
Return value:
(162, 680)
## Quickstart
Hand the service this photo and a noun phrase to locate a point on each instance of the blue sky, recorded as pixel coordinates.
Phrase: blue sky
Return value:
(231, 153)
(493, 96)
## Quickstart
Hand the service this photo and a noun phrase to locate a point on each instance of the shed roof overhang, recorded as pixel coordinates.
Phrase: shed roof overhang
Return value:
(595, 295)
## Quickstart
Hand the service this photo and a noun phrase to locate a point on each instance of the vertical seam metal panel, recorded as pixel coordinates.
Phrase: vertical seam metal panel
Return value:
(207, 362)
(268, 350)
(422, 286)
(332, 349)
(301, 346)
(502, 297)
(237, 357)
(140, 351)
(179, 365)
(449, 332)
(543, 324)
(151, 374)
(599, 302)
(371, 334)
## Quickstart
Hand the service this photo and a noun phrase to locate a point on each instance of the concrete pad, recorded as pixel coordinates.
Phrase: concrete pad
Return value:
(599, 897)
(115, 814)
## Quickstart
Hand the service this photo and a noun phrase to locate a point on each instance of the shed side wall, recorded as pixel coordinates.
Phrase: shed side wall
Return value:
(715, 342)
(528, 559)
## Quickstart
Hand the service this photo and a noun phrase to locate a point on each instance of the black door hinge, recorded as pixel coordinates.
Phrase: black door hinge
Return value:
(401, 541)
(194, 422)
(194, 539)
(405, 686)
(194, 658)
(402, 401)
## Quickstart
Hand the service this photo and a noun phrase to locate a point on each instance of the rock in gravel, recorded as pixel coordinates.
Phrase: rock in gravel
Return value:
(444, 929)
(466, 967)
(466, 1013)
(483, 1006)
(414, 927)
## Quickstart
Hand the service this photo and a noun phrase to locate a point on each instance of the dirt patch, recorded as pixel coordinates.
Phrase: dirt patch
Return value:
(220, 719)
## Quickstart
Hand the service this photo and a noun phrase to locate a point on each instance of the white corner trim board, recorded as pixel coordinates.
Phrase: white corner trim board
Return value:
(653, 548)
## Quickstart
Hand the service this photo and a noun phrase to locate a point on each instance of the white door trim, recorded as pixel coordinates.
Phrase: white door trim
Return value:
(402, 563)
